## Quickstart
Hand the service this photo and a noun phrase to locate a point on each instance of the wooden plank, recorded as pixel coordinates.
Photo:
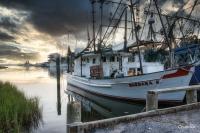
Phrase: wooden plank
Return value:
(176, 89)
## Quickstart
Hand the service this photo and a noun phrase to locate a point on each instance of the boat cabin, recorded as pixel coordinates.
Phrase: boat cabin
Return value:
(112, 65)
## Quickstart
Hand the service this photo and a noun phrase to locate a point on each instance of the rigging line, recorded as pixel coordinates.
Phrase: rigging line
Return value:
(198, 31)
(195, 3)
(131, 32)
(145, 20)
(117, 24)
(190, 7)
(112, 19)
(175, 17)
(132, 26)
(181, 30)
(164, 30)
(171, 27)
(113, 2)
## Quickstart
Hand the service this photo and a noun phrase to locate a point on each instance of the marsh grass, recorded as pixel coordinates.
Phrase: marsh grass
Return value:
(17, 113)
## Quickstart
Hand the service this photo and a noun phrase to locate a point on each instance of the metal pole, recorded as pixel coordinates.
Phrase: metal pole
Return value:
(125, 32)
(101, 27)
(71, 64)
(165, 33)
(93, 24)
(136, 36)
(67, 63)
(81, 66)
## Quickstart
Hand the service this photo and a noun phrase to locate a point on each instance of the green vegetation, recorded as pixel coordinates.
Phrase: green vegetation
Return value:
(152, 55)
(17, 113)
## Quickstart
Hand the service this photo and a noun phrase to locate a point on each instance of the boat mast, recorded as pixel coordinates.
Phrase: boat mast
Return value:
(165, 34)
(136, 36)
(81, 66)
(93, 24)
(101, 26)
(125, 32)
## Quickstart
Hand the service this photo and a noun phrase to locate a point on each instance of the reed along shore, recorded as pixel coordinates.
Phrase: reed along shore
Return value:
(18, 113)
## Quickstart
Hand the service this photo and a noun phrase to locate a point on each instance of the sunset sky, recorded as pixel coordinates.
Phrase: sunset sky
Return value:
(32, 29)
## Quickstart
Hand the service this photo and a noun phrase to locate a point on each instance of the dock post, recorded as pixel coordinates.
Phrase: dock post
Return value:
(151, 101)
(58, 85)
(191, 96)
(73, 129)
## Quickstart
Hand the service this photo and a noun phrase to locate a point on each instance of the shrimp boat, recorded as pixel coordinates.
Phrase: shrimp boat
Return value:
(107, 79)
(121, 71)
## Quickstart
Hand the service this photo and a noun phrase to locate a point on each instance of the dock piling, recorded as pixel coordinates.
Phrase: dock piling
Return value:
(191, 96)
(151, 101)
(152, 95)
(58, 85)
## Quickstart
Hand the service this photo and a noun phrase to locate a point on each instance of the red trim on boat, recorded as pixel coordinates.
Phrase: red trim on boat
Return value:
(180, 72)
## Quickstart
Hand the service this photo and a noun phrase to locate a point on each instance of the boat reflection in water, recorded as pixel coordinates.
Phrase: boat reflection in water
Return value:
(85, 107)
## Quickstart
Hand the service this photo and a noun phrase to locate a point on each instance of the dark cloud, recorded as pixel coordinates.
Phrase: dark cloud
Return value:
(5, 49)
(6, 37)
(58, 17)
(9, 23)
(12, 52)
(55, 17)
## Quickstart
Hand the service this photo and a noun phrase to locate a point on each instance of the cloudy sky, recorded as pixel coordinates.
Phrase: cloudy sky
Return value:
(32, 29)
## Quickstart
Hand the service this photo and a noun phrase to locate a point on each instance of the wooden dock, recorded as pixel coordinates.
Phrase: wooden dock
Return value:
(183, 119)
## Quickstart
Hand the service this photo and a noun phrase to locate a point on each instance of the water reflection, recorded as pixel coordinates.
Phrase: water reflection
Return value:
(95, 107)
(73, 112)
(37, 82)
(60, 108)
(53, 72)
(58, 86)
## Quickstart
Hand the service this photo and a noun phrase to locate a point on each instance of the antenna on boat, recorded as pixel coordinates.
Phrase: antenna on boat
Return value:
(136, 35)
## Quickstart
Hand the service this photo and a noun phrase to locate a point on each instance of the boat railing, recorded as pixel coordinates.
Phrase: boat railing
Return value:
(152, 95)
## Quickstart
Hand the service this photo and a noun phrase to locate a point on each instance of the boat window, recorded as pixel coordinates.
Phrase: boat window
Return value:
(139, 71)
(118, 59)
(88, 61)
(104, 59)
(112, 59)
(94, 61)
(131, 59)
(83, 59)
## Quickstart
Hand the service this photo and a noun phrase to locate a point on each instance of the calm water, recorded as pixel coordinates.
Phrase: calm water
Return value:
(66, 108)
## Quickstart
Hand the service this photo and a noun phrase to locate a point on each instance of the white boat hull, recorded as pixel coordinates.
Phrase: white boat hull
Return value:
(135, 88)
